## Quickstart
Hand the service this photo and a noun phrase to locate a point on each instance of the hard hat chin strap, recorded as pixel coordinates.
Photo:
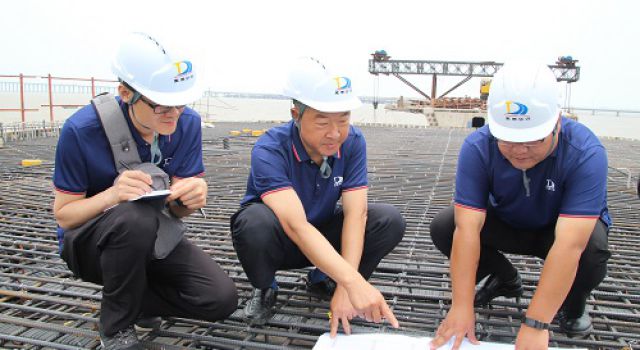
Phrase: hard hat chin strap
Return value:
(136, 95)
(156, 154)
(133, 114)
(135, 98)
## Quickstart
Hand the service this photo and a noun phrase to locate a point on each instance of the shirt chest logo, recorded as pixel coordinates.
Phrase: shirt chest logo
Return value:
(337, 181)
(551, 186)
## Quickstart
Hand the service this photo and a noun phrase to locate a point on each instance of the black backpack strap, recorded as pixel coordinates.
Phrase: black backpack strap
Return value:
(123, 147)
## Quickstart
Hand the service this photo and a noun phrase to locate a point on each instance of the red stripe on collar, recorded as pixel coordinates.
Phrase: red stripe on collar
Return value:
(295, 152)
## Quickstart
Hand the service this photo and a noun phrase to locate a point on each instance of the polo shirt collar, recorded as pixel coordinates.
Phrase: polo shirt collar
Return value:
(299, 152)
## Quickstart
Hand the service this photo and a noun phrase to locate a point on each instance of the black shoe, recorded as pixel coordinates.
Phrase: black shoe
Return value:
(580, 326)
(125, 339)
(323, 290)
(259, 308)
(494, 287)
(147, 324)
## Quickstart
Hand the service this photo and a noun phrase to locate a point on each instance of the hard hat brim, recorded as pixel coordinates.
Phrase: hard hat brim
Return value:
(521, 135)
(333, 107)
(172, 98)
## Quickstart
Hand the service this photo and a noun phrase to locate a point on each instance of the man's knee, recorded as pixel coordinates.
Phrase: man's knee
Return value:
(133, 225)
(221, 303)
(253, 227)
(387, 221)
(596, 253)
(396, 223)
(441, 229)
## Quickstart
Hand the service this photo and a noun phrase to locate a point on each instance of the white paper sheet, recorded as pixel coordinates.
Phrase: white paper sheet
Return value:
(377, 341)
(152, 195)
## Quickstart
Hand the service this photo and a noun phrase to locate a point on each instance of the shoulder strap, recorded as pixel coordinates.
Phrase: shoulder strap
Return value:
(123, 147)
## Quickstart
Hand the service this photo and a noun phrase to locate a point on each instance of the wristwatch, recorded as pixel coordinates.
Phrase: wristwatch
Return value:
(534, 323)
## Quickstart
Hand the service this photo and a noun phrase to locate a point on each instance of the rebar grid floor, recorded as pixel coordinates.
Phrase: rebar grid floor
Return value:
(43, 307)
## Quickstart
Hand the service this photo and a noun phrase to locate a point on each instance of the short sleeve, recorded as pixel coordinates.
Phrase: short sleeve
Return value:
(355, 174)
(269, 170)
(472, 178)
(70, 171)
(586, 187)
(191, 154)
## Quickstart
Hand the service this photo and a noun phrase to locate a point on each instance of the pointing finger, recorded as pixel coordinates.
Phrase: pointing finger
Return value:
(389, 316)
(333, 322)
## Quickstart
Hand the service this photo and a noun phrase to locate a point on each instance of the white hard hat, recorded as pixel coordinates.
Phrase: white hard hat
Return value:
(146, 66)
(523, 102)
(310, 83)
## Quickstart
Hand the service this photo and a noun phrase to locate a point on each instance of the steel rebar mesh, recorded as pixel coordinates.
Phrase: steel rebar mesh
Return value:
(43, 306)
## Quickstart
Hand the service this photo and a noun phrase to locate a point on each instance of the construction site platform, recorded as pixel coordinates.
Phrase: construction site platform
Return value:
(43, 307)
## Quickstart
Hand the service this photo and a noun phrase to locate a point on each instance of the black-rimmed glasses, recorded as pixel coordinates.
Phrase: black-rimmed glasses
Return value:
(529, 144)
(160, 109)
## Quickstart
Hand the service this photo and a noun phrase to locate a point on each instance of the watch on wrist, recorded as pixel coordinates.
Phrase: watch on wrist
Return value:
(534, 323)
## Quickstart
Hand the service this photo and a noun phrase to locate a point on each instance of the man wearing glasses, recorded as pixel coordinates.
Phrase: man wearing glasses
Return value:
(530, 183)
(115, 238)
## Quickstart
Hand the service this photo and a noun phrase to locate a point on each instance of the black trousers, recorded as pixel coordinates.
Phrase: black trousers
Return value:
(263, 247)
(496, 237)
(117, 252)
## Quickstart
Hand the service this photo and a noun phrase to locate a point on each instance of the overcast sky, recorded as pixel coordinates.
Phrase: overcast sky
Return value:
(244, 45)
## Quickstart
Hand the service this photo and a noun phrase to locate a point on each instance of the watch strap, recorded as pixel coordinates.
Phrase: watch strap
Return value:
(534, 323)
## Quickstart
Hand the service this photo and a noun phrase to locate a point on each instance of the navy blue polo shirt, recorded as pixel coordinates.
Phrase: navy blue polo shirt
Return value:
(570, 182)
(279, 161)
(84, 162)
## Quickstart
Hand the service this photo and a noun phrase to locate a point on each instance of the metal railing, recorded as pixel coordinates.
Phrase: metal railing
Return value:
(12, 132)
(609, 111)
(81, 86)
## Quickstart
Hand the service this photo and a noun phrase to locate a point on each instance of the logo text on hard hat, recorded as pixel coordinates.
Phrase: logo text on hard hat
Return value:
(185, 71)
(343, 85)
(516, 111)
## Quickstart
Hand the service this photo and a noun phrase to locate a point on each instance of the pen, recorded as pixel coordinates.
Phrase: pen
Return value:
(178, 201)
(126, 166)
(201, 210)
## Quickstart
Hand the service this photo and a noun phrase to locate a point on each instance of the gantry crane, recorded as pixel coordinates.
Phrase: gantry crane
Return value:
(381, 63)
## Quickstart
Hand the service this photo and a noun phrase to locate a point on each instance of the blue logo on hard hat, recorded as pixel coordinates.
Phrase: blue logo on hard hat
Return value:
(185, 71)
(517, 111)
(343, 85)
(522, 109)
